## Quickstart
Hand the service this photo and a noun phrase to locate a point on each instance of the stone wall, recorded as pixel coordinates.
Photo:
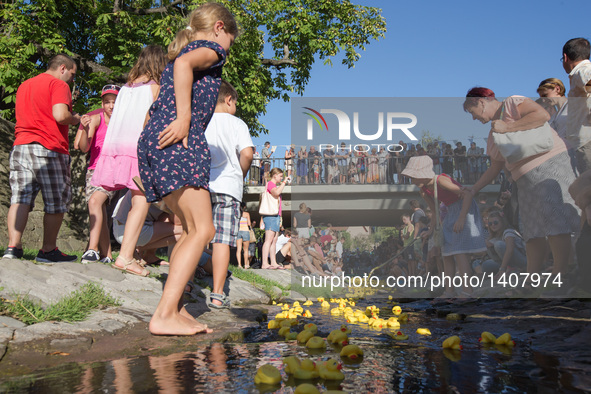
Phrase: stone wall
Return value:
(74, 232)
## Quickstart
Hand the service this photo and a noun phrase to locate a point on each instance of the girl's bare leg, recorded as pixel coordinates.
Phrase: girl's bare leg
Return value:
(133, 228)
(239, 252)
(193, 207)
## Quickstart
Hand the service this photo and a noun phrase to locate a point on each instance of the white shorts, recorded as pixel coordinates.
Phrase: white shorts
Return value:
(145, 235)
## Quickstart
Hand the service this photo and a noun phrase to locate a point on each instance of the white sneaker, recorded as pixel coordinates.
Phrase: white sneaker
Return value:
(90, 256)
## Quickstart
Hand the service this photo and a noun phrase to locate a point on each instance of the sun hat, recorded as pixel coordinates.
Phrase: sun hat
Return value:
(110, 89)
(420, 167)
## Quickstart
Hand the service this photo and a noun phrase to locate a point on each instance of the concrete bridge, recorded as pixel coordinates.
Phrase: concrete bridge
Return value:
(348, 205)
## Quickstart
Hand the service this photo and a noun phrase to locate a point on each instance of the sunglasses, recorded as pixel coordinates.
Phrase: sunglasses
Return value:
(493, 223)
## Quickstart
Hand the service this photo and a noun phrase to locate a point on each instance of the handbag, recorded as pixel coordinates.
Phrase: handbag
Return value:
(268, 205)
(520, 145)
(437, 231)
(253, 237)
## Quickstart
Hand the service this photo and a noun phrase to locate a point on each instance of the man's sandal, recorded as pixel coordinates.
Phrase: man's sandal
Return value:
(127, 263)
(218, 297)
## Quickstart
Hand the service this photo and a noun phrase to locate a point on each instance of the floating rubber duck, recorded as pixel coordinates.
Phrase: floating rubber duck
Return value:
(308, 303)
(311, 327)
(273, 325)
(399, 336)
(331, 370)
(267, 374)
(298, 309)
(320, 299)
(363, 318)
(285, 307)
(390, 298)
(352, 351)
(505, 339)
(452, 342)
(392, 323)
(292, 364)
(307, 313)
(340, 338)
(487, 337)
(316, 343)
(403, 318)
(304, 336)
(345, 329)
(291, 336)
(423, 331)
(285, 323)
(397, 310)
(352, 319)
(325, 304)
(453, 316)
(296, 303)
(283, 331)
(306, 388)
(307, 370)
(282, 315)
(336, 312)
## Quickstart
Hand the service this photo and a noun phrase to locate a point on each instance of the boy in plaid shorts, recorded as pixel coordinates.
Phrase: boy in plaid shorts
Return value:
(40, 158)
(231, 150)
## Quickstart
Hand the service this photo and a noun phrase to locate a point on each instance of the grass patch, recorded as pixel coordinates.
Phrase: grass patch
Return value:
(264, 284)
(76, 306)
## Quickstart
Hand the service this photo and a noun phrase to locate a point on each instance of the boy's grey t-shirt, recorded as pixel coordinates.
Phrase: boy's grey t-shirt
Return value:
(302, 219)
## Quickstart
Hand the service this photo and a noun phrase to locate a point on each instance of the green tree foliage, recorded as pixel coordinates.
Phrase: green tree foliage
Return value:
(280, 42)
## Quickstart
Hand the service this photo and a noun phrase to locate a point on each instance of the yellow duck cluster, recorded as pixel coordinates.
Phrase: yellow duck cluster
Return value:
(306, 369)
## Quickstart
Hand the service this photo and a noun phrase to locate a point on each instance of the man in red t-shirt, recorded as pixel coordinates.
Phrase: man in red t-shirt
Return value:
(40, 159)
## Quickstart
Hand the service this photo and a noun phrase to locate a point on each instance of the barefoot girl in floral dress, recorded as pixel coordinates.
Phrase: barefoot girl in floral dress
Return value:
(173, 153)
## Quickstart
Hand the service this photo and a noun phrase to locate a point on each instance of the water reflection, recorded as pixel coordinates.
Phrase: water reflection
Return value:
(417, 365)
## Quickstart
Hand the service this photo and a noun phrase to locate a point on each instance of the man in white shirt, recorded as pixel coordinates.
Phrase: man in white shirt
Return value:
(575, 60)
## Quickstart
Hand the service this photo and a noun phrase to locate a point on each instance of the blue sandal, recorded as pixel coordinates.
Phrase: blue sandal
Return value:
(218, 297)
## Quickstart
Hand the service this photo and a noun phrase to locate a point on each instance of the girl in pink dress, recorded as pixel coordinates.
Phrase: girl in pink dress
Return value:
(91, 137)
(118, 163)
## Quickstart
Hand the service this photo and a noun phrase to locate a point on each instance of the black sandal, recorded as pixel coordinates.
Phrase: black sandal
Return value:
(218, 297)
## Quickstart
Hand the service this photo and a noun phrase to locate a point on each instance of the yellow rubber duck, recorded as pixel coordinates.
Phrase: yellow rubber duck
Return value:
(336, 312)
(397, 310)
(505, 339)
(285, 323)
(403, 318)
(308, 303)
(340, 338)
(267, 374)
(325, 304)
(292, 364)
(283, 331)
(291, 336)
(285, 307)
(320, 299)
(307, 313)
(331, 370)
(363, 318)
(452, 342)
(306, 388)
(399, 336)
(352, 319)
(304, 336)
(316, 343)
(296, 303)
(273, 325)
(282, 315)
(453, 316)
(345, 329)
(392, 323)
(487, 337)
(311, 327)
(307, 370)
(352, 351)
(423, 331)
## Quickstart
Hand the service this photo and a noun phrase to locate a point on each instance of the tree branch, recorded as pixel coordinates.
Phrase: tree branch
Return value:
(278, 63)
(147, 11)
(85, 65)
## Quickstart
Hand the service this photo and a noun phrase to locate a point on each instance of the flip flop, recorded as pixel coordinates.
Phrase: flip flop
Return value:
(269, 268)
(127, 263)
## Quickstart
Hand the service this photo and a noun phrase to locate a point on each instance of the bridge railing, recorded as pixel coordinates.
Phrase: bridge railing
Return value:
(367, 169)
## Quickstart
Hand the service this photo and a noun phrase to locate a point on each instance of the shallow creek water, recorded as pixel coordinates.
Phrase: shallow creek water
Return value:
(415, 365)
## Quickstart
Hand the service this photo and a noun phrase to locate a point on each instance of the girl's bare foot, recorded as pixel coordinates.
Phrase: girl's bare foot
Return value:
(176, 324)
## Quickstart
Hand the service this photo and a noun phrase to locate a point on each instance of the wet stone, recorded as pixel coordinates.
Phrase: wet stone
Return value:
(70, 345)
